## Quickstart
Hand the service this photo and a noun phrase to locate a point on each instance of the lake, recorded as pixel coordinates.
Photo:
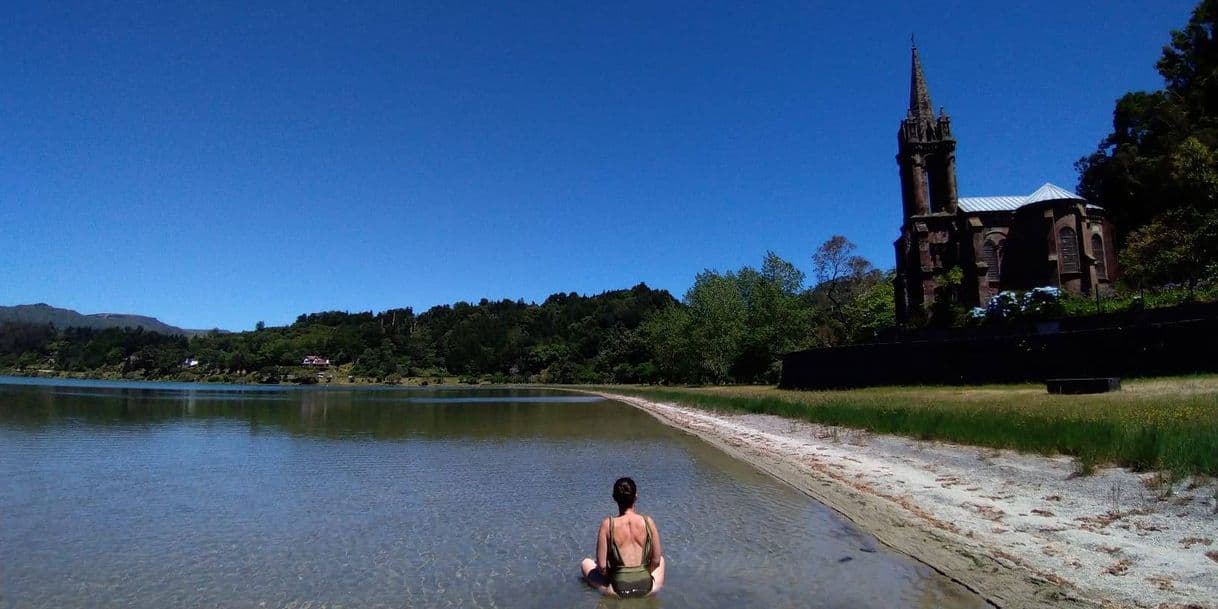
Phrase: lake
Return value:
(182, 495)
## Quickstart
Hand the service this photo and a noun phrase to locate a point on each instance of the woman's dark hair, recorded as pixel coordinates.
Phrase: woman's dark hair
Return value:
(624, 492)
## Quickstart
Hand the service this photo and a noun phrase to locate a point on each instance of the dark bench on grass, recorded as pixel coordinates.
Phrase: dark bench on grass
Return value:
(1096, 384)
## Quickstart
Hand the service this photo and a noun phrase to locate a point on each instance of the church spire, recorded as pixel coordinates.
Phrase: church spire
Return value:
(919, 94)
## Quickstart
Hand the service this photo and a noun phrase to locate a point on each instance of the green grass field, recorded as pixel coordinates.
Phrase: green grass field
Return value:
(1152, 424)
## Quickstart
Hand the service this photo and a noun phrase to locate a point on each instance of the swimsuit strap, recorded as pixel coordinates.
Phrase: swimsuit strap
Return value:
(646, 541)
(615, 554)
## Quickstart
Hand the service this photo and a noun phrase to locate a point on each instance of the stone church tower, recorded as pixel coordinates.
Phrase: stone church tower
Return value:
(929, 246)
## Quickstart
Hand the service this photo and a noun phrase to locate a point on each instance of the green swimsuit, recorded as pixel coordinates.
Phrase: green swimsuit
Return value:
(629, 581)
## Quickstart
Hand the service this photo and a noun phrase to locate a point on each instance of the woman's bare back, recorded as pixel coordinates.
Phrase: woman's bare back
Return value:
(630, 533)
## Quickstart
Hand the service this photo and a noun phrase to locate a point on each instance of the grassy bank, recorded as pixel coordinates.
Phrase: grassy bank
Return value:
(1168, 423)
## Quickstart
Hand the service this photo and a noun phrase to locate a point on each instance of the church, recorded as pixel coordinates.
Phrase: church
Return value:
(963, 250)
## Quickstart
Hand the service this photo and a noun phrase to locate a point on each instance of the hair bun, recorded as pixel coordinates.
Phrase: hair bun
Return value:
(624, 490)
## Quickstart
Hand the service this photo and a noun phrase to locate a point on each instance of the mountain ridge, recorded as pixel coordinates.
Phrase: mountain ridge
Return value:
(43, 313)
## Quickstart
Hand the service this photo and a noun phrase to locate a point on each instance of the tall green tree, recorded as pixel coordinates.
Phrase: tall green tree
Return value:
(668, 334)
(775, 320)
(1180, 244)
(841, 277)
(1155, 173)
(719, 312)
(872, 310)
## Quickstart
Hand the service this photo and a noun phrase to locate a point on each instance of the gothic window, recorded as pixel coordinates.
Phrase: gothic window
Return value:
(989, 254)
(926, 191)
(1067, 250)
(1097, 250)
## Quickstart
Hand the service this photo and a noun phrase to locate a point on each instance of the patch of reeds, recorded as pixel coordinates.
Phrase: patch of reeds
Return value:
(1154, 429)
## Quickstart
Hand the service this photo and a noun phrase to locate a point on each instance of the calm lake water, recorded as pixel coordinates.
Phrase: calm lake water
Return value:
(177, 495)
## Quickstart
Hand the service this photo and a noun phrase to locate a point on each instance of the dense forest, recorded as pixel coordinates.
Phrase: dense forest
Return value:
(729, 327)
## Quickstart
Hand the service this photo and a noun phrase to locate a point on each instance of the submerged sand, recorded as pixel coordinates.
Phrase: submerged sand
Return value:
(1020, 530)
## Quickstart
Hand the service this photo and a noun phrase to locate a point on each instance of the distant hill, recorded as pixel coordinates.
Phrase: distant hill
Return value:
(42, 313)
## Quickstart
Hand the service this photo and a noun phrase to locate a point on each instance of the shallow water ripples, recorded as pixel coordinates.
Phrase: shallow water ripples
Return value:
(222, 512)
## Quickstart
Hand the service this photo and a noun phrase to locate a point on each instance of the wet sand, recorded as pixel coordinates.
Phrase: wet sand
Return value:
(1020, 530)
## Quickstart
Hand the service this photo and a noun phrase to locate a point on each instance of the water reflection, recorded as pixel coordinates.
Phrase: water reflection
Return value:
(198, 496)
(344, 412)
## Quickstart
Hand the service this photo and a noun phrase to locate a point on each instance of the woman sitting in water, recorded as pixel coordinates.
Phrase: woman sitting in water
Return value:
(629, 561)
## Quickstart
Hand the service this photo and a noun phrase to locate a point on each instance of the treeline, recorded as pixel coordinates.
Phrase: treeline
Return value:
(1156, 174)
(729, 327)
(734, 326)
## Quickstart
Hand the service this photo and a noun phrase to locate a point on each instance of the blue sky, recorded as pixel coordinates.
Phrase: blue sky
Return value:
(216, 164)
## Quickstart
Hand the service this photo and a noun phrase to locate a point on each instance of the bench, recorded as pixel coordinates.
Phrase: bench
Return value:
(1097, 384)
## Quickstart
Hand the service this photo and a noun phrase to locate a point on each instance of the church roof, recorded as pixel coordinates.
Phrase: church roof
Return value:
(1048, 192)
(971, 204)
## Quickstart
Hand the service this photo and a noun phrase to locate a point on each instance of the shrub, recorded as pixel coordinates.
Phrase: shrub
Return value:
(1040, 303)
(1003, 305)
(1035, 304)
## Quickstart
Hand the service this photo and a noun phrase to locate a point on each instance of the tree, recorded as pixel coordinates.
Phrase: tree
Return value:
(836, 268)
(782, 274)
(873, 310)
(718, 311)
(1126, 173)
(841, 276)
(1180, 245)
(1188, 63)
(667, 334)
(775, 320)
(1156, 174)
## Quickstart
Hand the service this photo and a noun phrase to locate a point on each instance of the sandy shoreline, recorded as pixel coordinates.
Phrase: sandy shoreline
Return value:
(1020, 530)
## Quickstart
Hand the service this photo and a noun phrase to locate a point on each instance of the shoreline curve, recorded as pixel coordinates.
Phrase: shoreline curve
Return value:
(964, 547)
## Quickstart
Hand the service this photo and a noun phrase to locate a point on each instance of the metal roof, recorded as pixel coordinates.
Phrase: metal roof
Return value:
(971, 204)
(1048, 192)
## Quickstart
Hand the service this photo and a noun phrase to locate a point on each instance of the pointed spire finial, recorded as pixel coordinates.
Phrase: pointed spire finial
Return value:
(919, 94)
